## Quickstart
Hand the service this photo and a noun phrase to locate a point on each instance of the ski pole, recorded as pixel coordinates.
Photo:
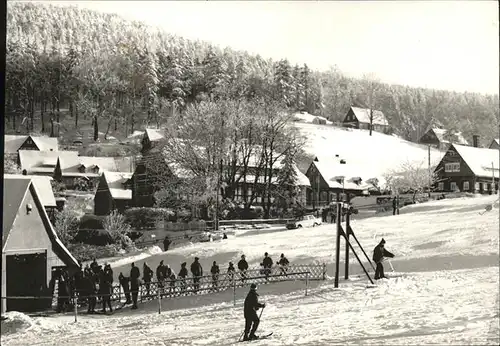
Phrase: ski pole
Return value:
(390, 263)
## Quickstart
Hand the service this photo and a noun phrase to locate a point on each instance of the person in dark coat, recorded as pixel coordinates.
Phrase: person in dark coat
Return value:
(197, 272)
(283, 263)
(91, 292)
(333, 213)
(379, 252)
(224, 236)
(183, 273)
(107, 287)
(243, 267)
(94, 267)
(395, 203)
(166, 243)
(267, 263)
(250, 312)
(125, 283)
(147, 276)
(215, 275)
(230, 272)
(134, 284)
(160, 275)
(324, 215)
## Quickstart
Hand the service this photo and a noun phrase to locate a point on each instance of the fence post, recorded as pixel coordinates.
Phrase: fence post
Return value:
(307, 281)
(324, 271)
(234, 292)
(75, 303)
(159, 301)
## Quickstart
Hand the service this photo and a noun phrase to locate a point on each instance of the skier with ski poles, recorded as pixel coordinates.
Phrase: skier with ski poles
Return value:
(283, 263)
(379, 252)
(250, 312)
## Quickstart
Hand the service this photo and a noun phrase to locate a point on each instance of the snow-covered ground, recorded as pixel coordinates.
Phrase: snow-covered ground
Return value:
(375, 155)
(444, 291)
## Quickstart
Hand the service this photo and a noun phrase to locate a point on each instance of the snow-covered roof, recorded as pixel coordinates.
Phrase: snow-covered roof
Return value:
(12, 143)
(41, 161)
(458, 138)
(42, 184)
(496, 141)
(363, 116)
(302, 179)
(334, 173)
(479, 160)
(310, 118)
(115, 181)
(154, 134)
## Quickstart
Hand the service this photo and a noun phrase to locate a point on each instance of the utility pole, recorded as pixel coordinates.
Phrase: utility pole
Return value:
(493, 190)
(429, 168)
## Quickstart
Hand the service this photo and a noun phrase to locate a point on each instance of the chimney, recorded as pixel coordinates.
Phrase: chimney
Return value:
(475, 141)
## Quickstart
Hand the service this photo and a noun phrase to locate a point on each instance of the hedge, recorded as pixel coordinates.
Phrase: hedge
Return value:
(145, 218)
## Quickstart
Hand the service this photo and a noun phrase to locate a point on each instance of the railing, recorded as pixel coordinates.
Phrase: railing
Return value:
(194, 286)
(223, 281)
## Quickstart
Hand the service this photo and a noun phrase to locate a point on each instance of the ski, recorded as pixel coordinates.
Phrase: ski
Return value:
(260, 337)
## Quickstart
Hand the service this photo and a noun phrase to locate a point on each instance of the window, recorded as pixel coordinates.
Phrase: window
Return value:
(476, 186)
(453, 186)
(466, 186)
(440, 186)
(452, 167)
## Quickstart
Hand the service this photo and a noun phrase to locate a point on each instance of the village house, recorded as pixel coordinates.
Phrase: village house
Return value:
(468, 169)
(359, 118)
(31, 250)
(73, 171)
(333, 175)
(14, 143)
(42, 162)
(150, 138)
(44, 188)
(495, 144)
(441, 138)
(114, 192)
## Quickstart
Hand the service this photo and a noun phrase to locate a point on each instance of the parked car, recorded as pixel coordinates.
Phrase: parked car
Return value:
(304, 221)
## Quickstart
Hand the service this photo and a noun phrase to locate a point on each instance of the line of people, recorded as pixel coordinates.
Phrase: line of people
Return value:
(171, 285)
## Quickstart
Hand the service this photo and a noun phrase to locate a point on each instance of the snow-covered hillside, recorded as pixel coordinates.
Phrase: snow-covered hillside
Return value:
(447, 260)
(375, 154)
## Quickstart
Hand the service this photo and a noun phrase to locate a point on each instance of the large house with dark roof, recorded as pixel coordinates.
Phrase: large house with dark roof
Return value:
(359, 118)
(114, 192)
(31, 249)
(468, 169)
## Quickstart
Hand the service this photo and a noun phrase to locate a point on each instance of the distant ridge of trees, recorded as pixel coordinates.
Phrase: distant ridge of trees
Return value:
(127, 75)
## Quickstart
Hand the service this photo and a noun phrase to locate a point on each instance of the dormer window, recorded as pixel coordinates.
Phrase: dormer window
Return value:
(82, 169)
(95, 169)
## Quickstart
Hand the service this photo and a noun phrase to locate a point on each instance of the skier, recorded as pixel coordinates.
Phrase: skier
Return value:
(166, 243)
(124, 282)
(197, 272)
(91, 292)
(215, 275)
(283, 263)
(147, 275)
(243, 267)
(224, 236)
(230, 272)
(183, 274)
(267, 263)
(134, 284)
(250, 311)
(379, 252)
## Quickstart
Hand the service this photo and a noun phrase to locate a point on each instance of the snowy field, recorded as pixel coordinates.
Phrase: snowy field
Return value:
(376, 154)
(444, 291)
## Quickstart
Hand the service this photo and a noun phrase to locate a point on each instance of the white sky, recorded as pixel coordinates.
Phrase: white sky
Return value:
(437, 44)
